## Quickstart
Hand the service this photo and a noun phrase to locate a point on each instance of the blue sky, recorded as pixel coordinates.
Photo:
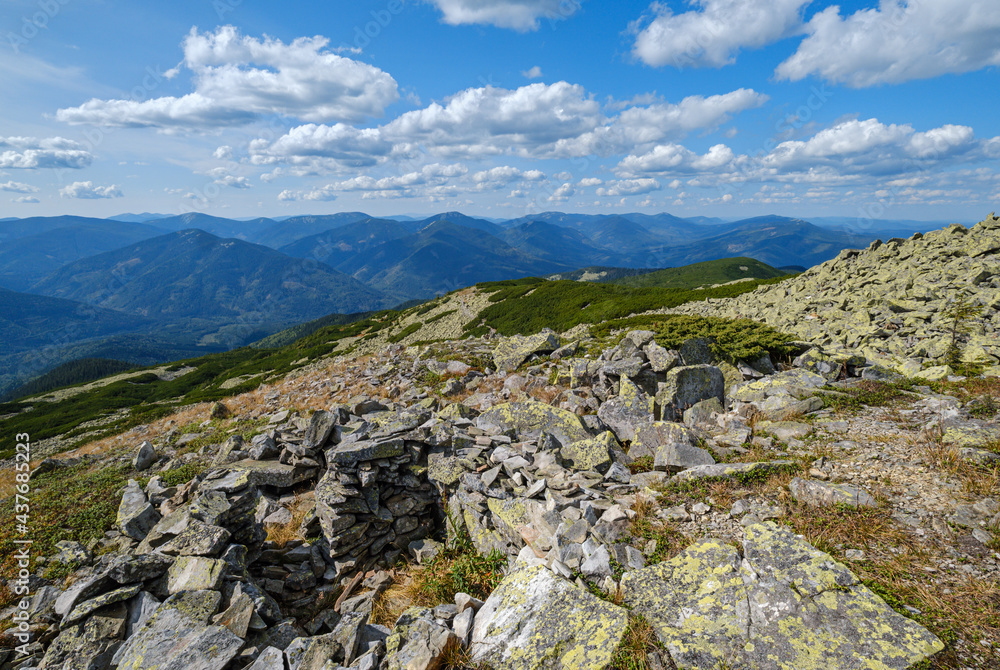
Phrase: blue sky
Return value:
(501, 108)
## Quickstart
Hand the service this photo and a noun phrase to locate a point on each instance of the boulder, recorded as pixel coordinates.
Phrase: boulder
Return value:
(812, 492)
(195, 573)
(687, 385)
(627, 411)
(144, 457)
(417, 641)
(595, 454)
(783, 604)
(177, 637)
(530, 418)
(510, 352)
(136, 515)
(537, 620)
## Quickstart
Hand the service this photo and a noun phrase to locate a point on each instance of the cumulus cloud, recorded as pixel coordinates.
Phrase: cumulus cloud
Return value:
(345, 144)
(590, 181)
(898, 42)
(559, 120)
(712, 35)
(488, 180)
(85, 190)
(225, 152)
(521, 15)
(237, 78)
(872, 147)
(491, 120)
(26, 200)
(629, 187)
(46, 152)
(533, 73)
(17, 187)
(678, 159)
(434, 176)
(562, 193)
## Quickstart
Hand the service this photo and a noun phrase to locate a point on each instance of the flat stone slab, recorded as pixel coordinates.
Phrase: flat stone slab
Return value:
(535, 620)
(730, 470)
(783, 604)
(366, 450)
(510, 352)
(272, 473)
(812, 492)
(529, 418)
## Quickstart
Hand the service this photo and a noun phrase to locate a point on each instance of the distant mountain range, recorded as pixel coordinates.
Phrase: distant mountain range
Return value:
(148, 287)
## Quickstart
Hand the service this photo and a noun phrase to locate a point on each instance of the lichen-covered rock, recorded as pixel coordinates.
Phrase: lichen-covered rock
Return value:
(417, 641)
(510, 352)
(136, 516)
(272, 473)
(86, 608)
(812, 492)
(627, 411)
(687, 385)
(535, 620)
(89, 644)
(198, 539)
(671, 445)
(177, 637)
(530, 418)
(595, 454)
(783, 604)
(365, 450)
(195, 573)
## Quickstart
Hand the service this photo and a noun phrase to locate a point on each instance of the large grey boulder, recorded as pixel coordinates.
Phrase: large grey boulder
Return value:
(510, 352)
(628, 410)
(782, 604)
(687, 385)
(537, 620)
(177, 637)
(672, 446)
(136, 515)
(530, 418)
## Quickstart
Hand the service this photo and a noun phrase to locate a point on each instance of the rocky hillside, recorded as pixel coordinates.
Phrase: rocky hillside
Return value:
(654, 491)
(528, 502)
(890, 301)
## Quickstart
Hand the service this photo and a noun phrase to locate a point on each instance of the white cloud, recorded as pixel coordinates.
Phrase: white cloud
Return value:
(26, 200)
(225, 152)
(503, 175)
(18, 187)
(559, 120)
(349, 146)
(238, 78)
(433, 177)
(46, 152)
(898, 42)
(590, 181)
(662, 120)
(534, 73)
(521, 15)
(489, 120)
(629, 187)
(712, 36)
(677, 159)
(872, 147)
(85, 190)
(562, 193)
